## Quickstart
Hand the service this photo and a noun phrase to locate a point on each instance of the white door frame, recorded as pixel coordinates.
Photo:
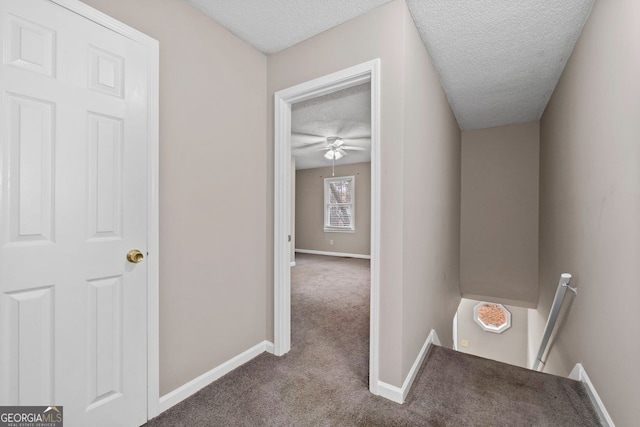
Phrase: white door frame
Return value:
(362, 73)
(152, 258)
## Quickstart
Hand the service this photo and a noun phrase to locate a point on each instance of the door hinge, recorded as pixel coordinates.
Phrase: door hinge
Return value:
(289, 238)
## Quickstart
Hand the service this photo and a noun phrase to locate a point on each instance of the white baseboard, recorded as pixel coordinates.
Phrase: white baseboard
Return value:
(397, 394)
(268, 347)
(341, 254)
(390, 392)
(181, 393)
(578, 373)
(293, 264)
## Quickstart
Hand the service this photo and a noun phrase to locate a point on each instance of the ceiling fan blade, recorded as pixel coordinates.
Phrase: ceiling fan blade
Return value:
(354, 128)
(341, 151)
(305, 138)
(364, 143)
(310, 148)
(353, 147)
(357, 138)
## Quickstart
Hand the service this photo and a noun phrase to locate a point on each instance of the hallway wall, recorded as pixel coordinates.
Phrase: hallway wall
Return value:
(499, 220)
(590, 207)
(431, 201)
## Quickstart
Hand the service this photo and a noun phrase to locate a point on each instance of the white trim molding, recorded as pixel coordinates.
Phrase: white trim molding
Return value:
(153, 207)
(578, 373)
(268, 347)
(399, 394)
(283, 99)
(340, 254)
(455, 331)
(181, 393)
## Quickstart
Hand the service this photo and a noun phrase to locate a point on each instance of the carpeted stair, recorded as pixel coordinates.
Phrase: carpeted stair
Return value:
(459, 389)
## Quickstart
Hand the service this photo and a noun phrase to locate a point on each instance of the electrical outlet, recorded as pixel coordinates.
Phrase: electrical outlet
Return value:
(464, 343)
(331, 242)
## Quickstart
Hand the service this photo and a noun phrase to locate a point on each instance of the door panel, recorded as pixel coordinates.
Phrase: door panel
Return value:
(30, 169)
(104, 351)
(30, 45)
(106, 176)
(29, 319)
(73, 177)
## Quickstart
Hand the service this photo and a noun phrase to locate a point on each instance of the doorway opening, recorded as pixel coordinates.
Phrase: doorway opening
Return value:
(330, 233)
(345, 79)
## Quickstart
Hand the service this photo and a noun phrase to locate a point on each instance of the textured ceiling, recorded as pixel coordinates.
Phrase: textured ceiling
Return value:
(345, 114)
(273, 25)
(498, 60)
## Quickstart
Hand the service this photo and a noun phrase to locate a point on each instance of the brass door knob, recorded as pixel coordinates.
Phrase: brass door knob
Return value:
(134, 256)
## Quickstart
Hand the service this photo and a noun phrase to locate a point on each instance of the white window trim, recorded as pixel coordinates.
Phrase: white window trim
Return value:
(326, 182)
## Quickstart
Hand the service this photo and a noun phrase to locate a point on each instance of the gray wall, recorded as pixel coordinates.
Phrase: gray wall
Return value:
(430, 204)
(309, 206)
(212, 119)
(509, 347)
(499, 226)
(419, 260)
(590, 207)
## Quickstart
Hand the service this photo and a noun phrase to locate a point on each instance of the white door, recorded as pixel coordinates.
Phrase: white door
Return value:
(73, 181)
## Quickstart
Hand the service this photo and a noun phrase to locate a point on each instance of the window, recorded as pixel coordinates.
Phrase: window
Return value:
(339, 212)
(492, 317)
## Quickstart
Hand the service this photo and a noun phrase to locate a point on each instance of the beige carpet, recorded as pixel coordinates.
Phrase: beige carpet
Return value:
(323, 380)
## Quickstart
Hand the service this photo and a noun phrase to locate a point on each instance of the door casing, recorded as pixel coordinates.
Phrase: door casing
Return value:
(358, 74)
(153, 48)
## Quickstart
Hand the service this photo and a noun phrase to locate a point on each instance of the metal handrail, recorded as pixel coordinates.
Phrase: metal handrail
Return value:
(563, 285)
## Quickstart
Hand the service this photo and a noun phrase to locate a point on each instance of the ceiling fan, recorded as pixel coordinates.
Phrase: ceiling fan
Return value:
(333, 146)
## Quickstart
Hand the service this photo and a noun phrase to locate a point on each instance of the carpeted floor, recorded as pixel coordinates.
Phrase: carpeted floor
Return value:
(323, 380)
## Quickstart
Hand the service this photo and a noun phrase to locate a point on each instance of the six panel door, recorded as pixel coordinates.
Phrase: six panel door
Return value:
(73, 181)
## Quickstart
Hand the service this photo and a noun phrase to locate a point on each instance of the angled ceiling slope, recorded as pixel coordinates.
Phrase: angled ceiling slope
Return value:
(498, 60)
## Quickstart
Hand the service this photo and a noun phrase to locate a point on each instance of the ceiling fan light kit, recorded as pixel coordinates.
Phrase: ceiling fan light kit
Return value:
(333, 154)
(334, 147)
